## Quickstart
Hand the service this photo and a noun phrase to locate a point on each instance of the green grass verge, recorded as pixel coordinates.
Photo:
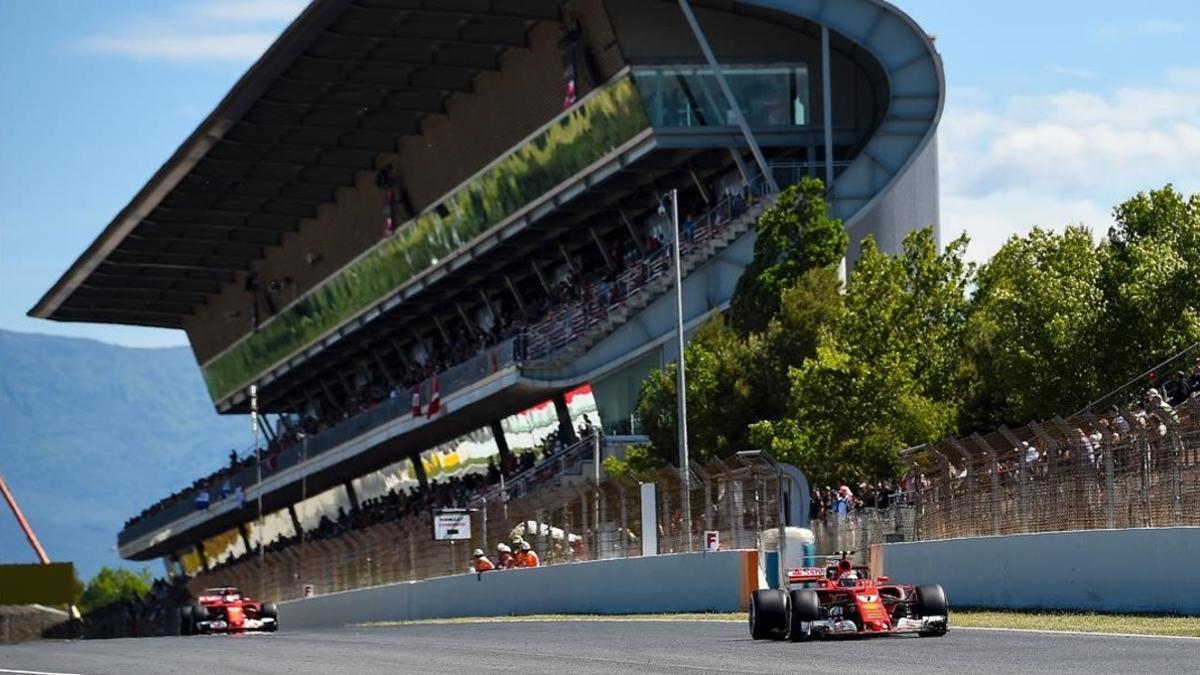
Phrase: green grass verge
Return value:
(1179, 626)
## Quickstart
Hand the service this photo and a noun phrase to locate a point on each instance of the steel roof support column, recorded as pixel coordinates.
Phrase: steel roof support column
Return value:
(725, 89)
(516, 296)
(827, 106)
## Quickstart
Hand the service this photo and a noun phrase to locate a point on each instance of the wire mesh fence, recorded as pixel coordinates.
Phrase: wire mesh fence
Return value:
(1131, 467)
(585, 520)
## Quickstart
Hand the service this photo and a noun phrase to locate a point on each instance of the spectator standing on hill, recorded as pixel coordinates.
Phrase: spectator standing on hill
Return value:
(843, 503)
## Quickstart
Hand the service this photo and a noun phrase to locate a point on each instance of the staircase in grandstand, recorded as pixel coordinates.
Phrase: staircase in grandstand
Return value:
(566, 334)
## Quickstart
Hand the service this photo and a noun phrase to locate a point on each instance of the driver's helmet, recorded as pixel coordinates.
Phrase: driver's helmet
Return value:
(478, 553)
(503, 548)
(850, 578)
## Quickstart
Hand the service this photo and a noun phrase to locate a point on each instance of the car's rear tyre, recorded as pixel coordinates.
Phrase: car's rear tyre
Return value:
(931, 601)
(805, 609)
(768, 614)
(185, 620)
(270, 611)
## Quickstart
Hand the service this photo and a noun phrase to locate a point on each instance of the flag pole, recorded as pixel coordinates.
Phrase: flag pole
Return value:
(258, 488)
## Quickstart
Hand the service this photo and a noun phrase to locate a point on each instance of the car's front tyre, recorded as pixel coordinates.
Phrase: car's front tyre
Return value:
(931, 601)
(269, 611)
(805, 609)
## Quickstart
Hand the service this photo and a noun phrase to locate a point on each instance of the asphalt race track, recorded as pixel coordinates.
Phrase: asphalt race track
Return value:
(597, 647)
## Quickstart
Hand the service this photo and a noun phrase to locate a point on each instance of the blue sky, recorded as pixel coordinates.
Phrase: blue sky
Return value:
(1056, 111)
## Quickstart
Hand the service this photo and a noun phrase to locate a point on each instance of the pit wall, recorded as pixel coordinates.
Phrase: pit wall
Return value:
(1135, 570)
(687, 582)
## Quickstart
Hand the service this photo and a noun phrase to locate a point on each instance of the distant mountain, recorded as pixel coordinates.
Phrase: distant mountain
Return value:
(92, 433)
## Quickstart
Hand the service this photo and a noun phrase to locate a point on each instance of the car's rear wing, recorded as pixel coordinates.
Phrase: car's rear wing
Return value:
(801, 575)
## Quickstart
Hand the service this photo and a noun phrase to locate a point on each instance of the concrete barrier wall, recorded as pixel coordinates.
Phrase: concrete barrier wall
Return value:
(1135, 570)
(689, 582)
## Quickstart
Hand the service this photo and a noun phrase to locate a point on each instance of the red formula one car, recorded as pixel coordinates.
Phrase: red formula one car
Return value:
(843, 600)
(226, 610)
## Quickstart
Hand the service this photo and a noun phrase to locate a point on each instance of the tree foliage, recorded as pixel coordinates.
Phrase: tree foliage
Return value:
(920, 344)
(114, 585)
(795, 235)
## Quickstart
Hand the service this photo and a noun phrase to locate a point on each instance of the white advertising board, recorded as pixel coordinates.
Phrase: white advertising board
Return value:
(449, 525)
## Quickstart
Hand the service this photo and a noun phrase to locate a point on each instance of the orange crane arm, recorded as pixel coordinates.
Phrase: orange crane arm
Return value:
(33, 540)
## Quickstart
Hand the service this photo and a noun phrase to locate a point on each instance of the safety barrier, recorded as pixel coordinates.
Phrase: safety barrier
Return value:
(1133, 570)
(686, 582)
(565, 524)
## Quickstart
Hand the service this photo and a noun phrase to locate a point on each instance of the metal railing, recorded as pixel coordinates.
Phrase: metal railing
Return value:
(573, 522)
(601, 297)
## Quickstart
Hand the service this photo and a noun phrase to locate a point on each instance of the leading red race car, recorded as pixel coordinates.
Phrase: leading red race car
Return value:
(843, 600)
(226, 610)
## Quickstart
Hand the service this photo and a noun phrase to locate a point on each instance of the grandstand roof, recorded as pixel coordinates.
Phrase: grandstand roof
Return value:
(336, 90)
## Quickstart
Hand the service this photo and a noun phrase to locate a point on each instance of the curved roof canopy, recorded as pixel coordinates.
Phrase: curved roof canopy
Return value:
(335, 91)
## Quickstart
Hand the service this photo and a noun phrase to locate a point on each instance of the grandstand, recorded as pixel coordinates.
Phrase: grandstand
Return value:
(428, 234)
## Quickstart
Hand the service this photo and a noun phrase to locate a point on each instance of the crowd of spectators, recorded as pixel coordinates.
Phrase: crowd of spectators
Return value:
(844, 500)
(455, 492)
(548, 320)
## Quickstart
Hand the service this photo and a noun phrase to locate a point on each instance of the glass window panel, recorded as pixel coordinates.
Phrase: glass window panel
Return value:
(684, 96)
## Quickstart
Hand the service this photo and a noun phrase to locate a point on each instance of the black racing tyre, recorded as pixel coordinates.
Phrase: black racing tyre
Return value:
(768, 614)
(931, 601)
(185, 620)
(199, 613)
(805, 608)
(270, 611)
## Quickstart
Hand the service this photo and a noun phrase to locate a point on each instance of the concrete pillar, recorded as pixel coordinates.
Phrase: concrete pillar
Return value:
(565, 430)
(203, 558)
(245, 536)
(295, 519)
(419, 470)
(501, 441)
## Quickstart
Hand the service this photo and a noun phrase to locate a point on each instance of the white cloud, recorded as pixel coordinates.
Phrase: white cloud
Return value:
(250, 10)
(1064, 158)
(1155, 27)
(216, 30)
(228, 46)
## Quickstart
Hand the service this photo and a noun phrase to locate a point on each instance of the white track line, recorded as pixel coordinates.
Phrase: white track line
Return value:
(33, 672)
(651, 619)
(1074, 632)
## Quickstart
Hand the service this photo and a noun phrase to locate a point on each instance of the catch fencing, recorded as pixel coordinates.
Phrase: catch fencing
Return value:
(1132, 467)
(573, 521)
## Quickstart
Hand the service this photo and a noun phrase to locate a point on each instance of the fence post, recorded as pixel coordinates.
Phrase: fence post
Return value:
(994, 470)
(1022, 477)
(969, 477)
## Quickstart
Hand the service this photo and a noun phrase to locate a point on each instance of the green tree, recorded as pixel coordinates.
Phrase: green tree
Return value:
(717, 392)
(1151, 280)
(114, 585)
(793, 236)
(638, 459)
(882, 377)
(1034, 330)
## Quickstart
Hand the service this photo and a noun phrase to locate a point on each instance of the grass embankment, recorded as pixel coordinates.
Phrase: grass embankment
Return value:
(1178, 626)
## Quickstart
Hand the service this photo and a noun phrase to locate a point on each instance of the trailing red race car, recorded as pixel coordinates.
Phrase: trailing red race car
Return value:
(226, 610)
(843, 600)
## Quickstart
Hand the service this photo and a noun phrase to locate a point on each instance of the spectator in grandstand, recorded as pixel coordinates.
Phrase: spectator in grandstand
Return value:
(504, 557)
(526, 557)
